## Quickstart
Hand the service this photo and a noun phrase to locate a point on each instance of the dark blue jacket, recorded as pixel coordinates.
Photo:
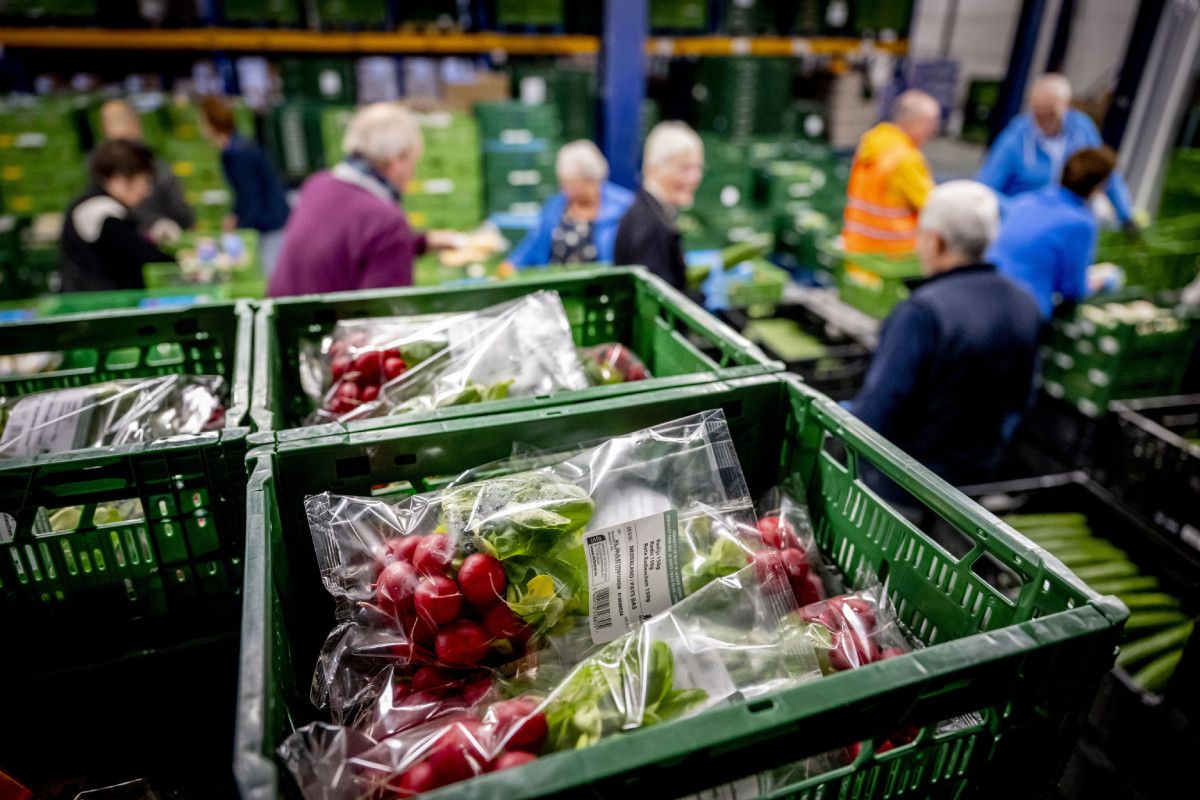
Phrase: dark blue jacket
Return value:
(534, 249)
(955, 363)
(258, 200)
(1046, 242)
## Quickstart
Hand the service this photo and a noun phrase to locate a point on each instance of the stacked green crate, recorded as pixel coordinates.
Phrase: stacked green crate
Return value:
(571, 89)
(520, 143)
(513, 13)
(328, 80)
(352, 13)
(283, 13)
(41, 163)
(447, 187)
(742, 96)
(883, 17)
(294, 139)
(49, 10)
(678, 15)
(748, 17)
(334, 120)
(982, 96)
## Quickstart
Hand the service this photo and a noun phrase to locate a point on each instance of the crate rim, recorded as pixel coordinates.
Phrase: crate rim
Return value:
(256, 773)
(1131, 411)
(261, 406)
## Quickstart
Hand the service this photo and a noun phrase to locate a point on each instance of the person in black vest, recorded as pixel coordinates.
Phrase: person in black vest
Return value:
(672, 166)
(101, 248)
(956, 360)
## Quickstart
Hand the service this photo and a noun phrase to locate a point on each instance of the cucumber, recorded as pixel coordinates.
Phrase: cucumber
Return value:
(1138, 583)
(1145, 600)
(1115, 569)
(1154, 676)
(1143, 620)
(1082, 557)
(1150, 646)
(1069, 519)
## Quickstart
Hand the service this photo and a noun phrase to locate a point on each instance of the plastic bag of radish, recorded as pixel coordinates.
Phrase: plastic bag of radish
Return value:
(439, 588)
(739, 636)
(387, 366)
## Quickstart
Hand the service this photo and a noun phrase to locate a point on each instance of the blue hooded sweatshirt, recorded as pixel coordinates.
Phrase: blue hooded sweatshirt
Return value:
(534, 249)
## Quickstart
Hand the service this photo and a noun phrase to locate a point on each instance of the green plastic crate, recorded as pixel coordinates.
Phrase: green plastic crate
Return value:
(1029, 665)
(93, 585)
(678, 15)
(603, 305)
(516, 123)
(765, 288)
(874, 284)
(259, 12)
(517, 13)
(352, 13)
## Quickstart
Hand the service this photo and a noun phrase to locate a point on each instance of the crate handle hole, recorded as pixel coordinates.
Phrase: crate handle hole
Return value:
(759, 706)
(405, 459)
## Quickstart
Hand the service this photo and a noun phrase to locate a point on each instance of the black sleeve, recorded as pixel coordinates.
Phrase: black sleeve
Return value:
(642, 244)
(174, 206)
(125, 251)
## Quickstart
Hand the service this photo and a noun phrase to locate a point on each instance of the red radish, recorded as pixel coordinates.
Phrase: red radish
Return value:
(883, 748)
(348, 391)
(458, 753)
(396, 586)
(461, 644)
(767, 564)
(636, 373)
(336, 348)
(418, 779)
(482, 579)
(476, 690)
(407, 547)
(795, 562)
(501, 623)
(338, 367)
(520, 725)
(428, 679)
(777, 533)
(853, 750)
(369, 393)
(367, 364)
(434, 554)
(807, 589)
(843, 656)
(338, 407)
(890, 652)
(508, 760)
(437, 600)
(393, 367)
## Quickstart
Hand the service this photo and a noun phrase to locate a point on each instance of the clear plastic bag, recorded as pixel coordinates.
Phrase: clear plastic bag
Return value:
(387, 366)
(111, 413)
(853, 630)
(611, 363)
(737, 638)
(480, 573)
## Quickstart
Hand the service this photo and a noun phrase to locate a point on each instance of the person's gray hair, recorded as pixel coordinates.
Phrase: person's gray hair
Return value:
(581, 159)
(965, 214)
(1055, 83)
(670, 140)
(915, 103)
(380, 132)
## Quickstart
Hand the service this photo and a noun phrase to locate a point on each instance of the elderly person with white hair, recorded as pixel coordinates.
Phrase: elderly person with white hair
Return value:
(578, 225)
(348, 230)
(672, 166)
(956, 360)
(1031, 151)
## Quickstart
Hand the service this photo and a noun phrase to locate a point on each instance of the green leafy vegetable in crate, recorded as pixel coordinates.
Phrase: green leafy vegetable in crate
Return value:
(1157, 629)
(112, 413)
(388, 366)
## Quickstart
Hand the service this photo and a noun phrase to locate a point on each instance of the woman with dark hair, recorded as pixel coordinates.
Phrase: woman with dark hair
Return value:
(1048, 238)
(101, 248)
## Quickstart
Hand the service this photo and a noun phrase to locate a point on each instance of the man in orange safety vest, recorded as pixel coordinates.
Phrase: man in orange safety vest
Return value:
(889, 179)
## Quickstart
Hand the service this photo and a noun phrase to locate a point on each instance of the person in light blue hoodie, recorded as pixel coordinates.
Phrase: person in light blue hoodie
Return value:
(1029, 154)
(578, 225)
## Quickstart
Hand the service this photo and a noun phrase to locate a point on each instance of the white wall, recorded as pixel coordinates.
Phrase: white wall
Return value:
(1099, 37)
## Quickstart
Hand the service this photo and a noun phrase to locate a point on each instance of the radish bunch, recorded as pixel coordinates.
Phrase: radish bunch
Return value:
(851, 631)
(359, 372)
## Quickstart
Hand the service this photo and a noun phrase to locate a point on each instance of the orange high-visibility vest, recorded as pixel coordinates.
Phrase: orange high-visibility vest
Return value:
(879, 217)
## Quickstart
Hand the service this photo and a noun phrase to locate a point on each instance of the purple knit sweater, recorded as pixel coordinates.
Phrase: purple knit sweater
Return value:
(345, 233)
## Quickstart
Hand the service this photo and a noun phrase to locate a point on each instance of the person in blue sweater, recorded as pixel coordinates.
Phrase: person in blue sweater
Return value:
(955, 361)
(1031, 151)
(578, 225)
(258, 199)
(1048, 238)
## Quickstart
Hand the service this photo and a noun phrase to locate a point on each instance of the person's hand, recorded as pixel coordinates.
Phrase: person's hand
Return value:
(165, 231)
(506, 269)
(229, 223)
(445, 240)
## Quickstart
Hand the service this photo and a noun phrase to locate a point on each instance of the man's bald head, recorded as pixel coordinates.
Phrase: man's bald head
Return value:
(120, 121)
(918, 115)
(1049, 99)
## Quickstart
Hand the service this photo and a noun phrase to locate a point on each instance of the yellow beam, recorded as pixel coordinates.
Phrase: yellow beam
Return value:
(293, 41)
(767, 46)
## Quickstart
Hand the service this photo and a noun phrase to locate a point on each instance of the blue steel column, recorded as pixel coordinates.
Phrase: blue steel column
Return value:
(623, 86)
(1012, 91)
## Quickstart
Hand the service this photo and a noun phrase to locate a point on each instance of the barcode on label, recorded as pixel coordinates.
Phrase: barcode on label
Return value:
(601, 608)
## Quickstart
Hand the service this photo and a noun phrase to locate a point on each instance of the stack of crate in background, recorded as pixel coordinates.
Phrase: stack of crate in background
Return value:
(748, 17)
(682, 16)
(569, 88)
(447, 188)
(531, 13)
(272, 13)
(294, 128)
(351, 14)
(519, 145)
(739, 96)
(41, 155)
(1181, 185)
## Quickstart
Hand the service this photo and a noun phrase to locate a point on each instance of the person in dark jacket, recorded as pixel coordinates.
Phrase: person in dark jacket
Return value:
(101, 247)
(672, 166)
(258, 199)
(956, 359)
(164, 212)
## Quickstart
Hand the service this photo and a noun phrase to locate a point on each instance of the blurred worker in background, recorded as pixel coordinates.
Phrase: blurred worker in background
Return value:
(578, 225)
(348, 230)
(1031, 151)
(889, 179)
(956, 359)
(165, 211)
(1048, 238)
(101, 247)
(672, 166)
(258, 199)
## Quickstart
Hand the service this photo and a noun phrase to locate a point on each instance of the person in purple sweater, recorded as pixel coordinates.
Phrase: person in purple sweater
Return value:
(348, 230)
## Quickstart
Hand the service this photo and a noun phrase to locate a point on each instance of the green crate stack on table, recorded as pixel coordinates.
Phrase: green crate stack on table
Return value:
(1119, 351)
(1166, 255)
(520, 143)
(222, 266)
(447, 187)
(1026, 660)
(121, 566)
(42, 168)
(684, 16)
